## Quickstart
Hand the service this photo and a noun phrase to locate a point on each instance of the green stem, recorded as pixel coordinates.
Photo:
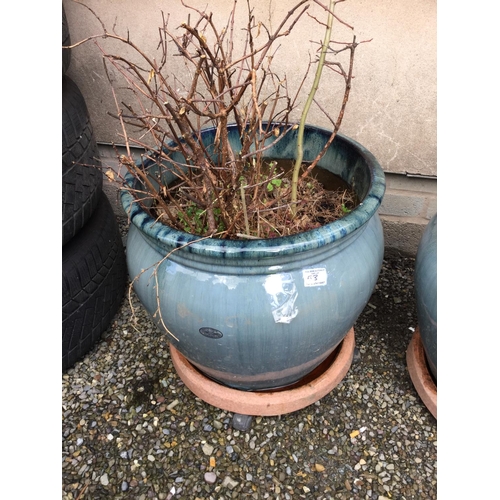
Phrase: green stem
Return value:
(305, 111)
(244, 204)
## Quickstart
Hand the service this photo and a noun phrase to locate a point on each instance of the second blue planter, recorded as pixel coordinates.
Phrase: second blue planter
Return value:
(426, 292)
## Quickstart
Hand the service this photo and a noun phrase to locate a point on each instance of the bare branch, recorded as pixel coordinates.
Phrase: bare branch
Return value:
(164, 114)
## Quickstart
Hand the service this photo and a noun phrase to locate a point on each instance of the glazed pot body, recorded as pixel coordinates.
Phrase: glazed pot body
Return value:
(262, 314)
(426, 292)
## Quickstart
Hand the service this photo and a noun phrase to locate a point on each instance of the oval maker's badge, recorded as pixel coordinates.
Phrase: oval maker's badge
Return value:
(211, 333)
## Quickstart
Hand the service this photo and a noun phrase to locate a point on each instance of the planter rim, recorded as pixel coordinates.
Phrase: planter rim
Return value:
(259, 248)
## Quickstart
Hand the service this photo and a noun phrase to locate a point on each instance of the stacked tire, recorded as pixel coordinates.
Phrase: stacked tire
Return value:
(94, 271)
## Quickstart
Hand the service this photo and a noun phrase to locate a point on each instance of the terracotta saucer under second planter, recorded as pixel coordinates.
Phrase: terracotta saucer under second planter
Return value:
(273, 402)
(420, 373)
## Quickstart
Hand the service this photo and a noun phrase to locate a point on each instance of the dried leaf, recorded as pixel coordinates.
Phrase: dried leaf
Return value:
(110, 175)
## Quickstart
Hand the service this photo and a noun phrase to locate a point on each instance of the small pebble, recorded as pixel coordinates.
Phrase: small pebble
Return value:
(242, 422)
(229, 482)
(207, 449)
(210, 477)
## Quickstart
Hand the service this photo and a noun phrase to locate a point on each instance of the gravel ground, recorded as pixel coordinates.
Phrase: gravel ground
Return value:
(131, 429)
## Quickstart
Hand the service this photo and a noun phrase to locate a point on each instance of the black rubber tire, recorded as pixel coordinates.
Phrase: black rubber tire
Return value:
(93, 282)
(66, 41)
(81, 166)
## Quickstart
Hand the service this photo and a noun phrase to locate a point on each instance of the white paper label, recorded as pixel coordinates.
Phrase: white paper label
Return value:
(314, 277)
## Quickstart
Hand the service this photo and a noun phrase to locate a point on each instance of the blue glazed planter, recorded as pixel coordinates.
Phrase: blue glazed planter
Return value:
(262, 314)
(426, 292)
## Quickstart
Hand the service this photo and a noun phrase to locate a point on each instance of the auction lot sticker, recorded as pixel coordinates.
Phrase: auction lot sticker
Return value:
(314, 277)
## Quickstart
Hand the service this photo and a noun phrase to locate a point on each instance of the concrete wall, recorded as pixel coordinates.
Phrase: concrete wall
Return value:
(391, 111)
(408, 205)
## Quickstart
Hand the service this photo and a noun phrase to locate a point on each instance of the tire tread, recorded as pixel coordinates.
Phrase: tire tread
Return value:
(81, 166)
(94, 280)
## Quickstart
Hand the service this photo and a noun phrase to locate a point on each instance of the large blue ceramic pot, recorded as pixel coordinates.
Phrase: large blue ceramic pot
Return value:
(426, 292)
(262, 314)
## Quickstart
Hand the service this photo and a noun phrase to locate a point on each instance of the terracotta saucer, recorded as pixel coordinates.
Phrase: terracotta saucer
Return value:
(420, 374)
(273, 402)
